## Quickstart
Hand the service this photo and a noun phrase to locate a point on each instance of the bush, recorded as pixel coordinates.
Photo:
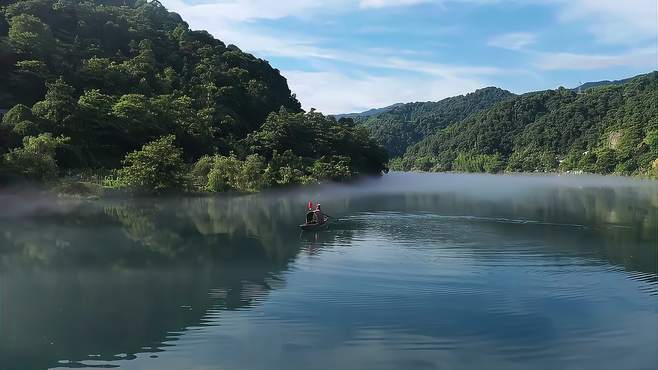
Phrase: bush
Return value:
(531, 159)
(223, 172)
(570, 162)
(606, 160)
(288, 175)
(335, 168)
(36, 159)
(198, 176)
(626, 168)
(396, 164)
(651, 140)
(158, 167)
(424, 163)
(492, 163)
(286, 169)
(251, 177)
(230, 173)
(79, 188)
(587, 162)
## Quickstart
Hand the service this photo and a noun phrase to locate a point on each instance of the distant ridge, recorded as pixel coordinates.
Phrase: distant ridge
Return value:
(369, 113)
(610, 129)
(589, 85)
(403, 125)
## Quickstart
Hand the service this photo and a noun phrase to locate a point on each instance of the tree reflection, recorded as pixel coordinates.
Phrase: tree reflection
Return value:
(101, 279)
(125, 276)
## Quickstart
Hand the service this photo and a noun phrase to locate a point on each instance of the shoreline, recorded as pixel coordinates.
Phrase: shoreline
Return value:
(88, 190)
(103, 192)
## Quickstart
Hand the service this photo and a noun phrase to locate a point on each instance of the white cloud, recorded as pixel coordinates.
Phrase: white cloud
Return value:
(614, 21)
(238, 22)
(389, 3)
(513, 41)
(250, 10)
(639, 58)
(334, 92)
(256, 41)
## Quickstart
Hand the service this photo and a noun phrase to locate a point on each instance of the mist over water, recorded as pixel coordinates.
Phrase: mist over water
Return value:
(416, 271)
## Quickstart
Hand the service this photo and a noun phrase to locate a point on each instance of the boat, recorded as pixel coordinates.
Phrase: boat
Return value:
(309, 226)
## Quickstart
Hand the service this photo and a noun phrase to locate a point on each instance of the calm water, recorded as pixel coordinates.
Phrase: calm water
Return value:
(420, 272)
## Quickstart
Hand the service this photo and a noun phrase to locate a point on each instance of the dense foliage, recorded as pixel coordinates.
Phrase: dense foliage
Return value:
(610, 129)
(293, 148)
(35, 160)
(113, 75)
(157, 167)
(407, 124)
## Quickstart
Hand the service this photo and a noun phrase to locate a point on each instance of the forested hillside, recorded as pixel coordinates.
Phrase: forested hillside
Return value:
(93, 80)
(610, 129)
(367, 114)
(591, 84)
(407, 124)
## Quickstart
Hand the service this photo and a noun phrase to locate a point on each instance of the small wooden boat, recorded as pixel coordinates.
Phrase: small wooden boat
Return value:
(315, 225)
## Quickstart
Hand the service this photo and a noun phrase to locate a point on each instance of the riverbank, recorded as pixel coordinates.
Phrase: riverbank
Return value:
(94, 187)
(639, 176)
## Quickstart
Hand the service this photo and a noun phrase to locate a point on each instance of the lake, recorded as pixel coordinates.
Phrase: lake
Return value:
(416, 271)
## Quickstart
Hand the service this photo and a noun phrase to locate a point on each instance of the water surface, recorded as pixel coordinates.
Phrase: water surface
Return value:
(418, 272)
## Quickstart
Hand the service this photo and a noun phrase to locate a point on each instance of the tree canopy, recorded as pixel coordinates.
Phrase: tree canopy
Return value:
(406, 124)
(114, 75)
(609, 129)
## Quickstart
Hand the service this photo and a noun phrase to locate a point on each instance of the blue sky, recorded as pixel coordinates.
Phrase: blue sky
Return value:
(351, 55)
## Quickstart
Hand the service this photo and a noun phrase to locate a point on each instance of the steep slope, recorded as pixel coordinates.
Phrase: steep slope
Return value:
(608, 129)
(144, 61)
(407, 124)
(90, 81)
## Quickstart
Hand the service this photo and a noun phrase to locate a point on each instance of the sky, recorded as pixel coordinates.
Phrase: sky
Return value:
(343, 56)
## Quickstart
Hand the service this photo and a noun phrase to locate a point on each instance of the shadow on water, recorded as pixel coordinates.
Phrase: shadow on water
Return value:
(106, 280)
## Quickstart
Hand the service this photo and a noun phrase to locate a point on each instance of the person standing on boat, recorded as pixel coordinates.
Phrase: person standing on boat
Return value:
(310, 215)
(319, 216)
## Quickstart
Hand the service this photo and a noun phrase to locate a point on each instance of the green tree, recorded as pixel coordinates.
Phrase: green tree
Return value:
(251, 177)
(607, 129)
(18, 123)
(224, 171)
(199, 173)
(606, 160)
(158, 167)
(335, 168)
(478, 163)
(651, 140)
(35, 67)
(115, 74)
(58, 105)
(36, 159)
(30, 36)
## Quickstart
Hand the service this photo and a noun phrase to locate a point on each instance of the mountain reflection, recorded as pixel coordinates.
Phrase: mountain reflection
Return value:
(120, 277)
(106, 280)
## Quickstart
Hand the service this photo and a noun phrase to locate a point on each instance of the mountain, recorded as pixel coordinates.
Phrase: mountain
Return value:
(608, 129)
(138, 60)
(406, 124)
(589, 85)
(369, 113)
(106, 77)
